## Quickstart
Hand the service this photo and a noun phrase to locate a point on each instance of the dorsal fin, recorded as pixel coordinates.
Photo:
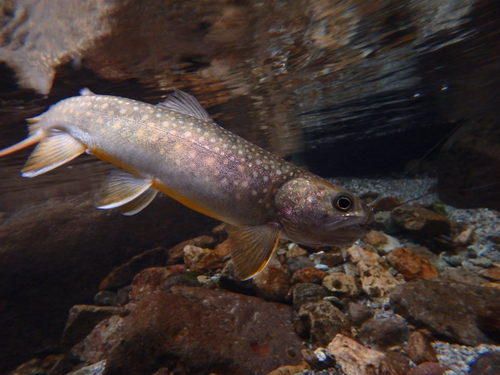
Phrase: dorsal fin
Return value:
(184, 103)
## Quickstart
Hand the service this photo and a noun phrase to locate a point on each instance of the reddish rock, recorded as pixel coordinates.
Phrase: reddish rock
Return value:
(381, 334)
(411, 265)
(428, 368)
(308, 275)
(199, 329)
(273, 283)
(385, 204)
(419, 349)
(355, 359)
(324, 321)
(448, 309)
(492, 273)
(153, 279)
(330, 259)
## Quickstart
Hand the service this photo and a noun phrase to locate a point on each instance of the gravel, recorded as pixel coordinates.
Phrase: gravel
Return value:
(459, 358)
(486, 223)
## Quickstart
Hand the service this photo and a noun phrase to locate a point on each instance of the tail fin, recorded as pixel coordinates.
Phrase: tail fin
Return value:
(31, 140)
(51, 152)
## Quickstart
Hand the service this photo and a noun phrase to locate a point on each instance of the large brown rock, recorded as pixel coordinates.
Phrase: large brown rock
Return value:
(448, 309)
(202, 330)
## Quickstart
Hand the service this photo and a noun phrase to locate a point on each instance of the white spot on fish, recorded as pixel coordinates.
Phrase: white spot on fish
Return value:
(187, 134)
(158, 115)
(255, 174)
(135, 108)
(278, 172)
(265, 178)
(258, 162)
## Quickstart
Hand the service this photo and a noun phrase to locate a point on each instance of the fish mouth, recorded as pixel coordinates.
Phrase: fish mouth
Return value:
(369, 219)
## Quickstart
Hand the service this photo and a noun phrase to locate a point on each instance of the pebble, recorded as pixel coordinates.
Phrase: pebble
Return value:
(459, 358)
(356, 359)
(411, 265)
(325, 321)
(341, 283)
(481, 262)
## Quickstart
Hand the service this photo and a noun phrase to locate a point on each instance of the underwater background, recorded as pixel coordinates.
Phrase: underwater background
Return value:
(397, 101)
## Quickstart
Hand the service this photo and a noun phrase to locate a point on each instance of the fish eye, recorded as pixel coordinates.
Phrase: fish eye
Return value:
(343, 202)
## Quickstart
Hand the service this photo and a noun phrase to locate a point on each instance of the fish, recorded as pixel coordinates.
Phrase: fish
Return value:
(176, 148)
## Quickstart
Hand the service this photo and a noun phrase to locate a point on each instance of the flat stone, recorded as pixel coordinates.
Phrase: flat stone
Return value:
(381, 334)
(341, 283)
(464, 276)
(411, 265)
(492, 273)
(355, 359)
(448, 309)
(198, 329)
(324, 321)
(419, 220)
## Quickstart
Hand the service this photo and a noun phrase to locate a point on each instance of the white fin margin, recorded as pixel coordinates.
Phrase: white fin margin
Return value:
(121, 188)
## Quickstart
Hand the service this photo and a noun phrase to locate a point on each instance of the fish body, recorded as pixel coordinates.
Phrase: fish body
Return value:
(176, 148)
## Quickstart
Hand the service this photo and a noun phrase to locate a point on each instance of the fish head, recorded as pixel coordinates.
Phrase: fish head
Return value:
(313, 211)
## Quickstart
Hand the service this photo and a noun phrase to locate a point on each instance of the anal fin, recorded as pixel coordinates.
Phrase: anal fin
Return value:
(252, 248)
(51, 152)
(122, 188)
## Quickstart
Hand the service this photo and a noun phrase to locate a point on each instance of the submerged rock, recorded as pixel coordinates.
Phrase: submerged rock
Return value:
(448, 309)
(411, 265)
(419, 349)
(324, 321)
(355, 359)
(202, 330)
(381, 334)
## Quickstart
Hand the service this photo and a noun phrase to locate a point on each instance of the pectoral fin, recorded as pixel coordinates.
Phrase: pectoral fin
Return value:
(252, 248)
(51, 152)
(122, 188)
